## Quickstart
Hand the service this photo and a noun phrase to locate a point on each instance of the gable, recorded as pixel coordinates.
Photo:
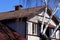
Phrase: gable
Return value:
(40, 13)
(39, 17)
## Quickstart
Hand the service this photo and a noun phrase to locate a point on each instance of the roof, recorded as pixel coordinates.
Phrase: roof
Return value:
(18, 13)
(29, 12)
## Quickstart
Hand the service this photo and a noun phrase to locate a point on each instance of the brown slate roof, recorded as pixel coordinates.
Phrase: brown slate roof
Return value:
(30, 12)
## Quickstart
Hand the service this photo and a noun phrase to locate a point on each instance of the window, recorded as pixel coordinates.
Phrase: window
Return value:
(34, 28)
(56, 34)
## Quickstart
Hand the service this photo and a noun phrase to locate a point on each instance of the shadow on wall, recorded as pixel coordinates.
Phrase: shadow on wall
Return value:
(20, 28)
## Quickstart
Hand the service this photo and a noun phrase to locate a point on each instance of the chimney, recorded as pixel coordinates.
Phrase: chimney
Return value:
(18, 7)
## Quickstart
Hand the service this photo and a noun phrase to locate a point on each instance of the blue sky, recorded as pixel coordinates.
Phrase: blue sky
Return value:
(8, 5)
